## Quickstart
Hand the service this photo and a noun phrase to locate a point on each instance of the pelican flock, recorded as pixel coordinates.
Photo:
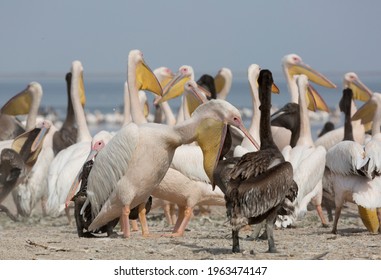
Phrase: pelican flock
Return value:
(195, 155)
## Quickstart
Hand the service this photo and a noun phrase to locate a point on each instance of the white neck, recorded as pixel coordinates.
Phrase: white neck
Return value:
(33, 112)
(135, 107)
(83, 130)
(127, 111)
(291, 85)
(305, 137)
(255, 120)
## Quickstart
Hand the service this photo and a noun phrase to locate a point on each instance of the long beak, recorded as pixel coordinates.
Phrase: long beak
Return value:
(360, 90)
(195, 97)
(146, 79)
(210, 137)
(82, 96)
(366, 112)
(312, 75)
(219, 82)
(74, 187)
(39, 139)
(315, 101)
(174, 87)
(369, 218)
(248, 135)
(18, 104)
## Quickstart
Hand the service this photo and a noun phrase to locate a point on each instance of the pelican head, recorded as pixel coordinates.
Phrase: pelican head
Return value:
(175, 87)
(142, 74)
(294, 65)
(360, 90)
(214, 118)
(77, 71)
(21, 103)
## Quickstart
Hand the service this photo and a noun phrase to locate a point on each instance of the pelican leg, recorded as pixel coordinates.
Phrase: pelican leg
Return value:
(379, 219)
(134, 224)
(9, 214)
(167, 214)
(235, 237)
(321, 216)
(181, 229)
(270, 221)
(67, 213)
(143, 219)
(43, 206)
(180, 218)
(172, 211)
(337, 215)
(125, 221)
(256, 231)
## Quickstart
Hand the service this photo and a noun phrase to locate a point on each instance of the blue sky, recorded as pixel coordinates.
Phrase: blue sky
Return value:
(46, 36)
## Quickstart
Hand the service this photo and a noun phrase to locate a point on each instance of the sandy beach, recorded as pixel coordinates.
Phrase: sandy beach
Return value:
(208, 237)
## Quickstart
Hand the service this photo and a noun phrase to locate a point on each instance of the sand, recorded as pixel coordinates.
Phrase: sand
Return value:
(208, 237)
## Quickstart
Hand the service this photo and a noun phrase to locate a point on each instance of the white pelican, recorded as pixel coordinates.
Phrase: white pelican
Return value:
(307, 160)
(360, 92)
(260, 182)
(186, 183)
(16, 163)
(130, 167)
(244, 147)
(353, 170)
(33, 186)
(27, 103)
(68, 162)
(292, 64)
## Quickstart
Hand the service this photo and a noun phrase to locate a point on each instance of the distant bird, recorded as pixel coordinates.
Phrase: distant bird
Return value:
(360, 92)
(223, 81)
(293, 65)
(27, 103)
(328, 126)
(207, 82)
(130, 167)
(260, 182)
(307, 160)
(354, 169)
(67, 134)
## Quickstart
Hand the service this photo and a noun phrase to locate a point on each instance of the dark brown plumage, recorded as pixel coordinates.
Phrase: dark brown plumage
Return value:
(261, 182)
(67, 135)
(288, 117)
(84, 220)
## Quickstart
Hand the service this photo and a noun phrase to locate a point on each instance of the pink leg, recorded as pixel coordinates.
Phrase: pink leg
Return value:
(167, 213)
(125, 221)
(180, 218)
(321, 216)
(143, 219)
(187, 216)
(134, 224)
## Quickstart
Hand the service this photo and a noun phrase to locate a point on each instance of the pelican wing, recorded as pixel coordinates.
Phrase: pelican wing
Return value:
(110, 166)
(257, 196)
(255, 163)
